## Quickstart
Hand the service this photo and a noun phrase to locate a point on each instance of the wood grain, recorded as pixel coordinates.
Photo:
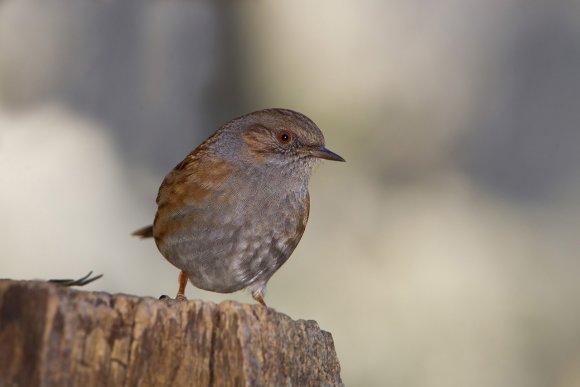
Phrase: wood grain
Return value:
(54, 336)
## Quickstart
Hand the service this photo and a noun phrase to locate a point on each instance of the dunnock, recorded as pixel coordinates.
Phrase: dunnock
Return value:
(231, 213)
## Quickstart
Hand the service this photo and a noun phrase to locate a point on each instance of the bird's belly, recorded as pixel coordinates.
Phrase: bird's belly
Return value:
(233, 255)
(237, 258)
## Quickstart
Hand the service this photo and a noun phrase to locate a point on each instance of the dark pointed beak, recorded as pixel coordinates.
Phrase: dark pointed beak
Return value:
(323, 153)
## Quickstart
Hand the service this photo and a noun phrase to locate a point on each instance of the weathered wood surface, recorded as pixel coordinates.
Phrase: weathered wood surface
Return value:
(54, 336)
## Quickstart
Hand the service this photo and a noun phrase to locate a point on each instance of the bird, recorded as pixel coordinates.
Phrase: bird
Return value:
(233, 211)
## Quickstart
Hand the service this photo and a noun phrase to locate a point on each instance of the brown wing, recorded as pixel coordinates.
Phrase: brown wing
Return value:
(193, 183)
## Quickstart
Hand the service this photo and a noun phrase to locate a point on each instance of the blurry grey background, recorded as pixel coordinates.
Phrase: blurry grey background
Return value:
(445, 252)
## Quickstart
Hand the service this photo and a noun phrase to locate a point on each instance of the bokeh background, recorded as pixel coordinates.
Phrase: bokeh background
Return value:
(445, 252)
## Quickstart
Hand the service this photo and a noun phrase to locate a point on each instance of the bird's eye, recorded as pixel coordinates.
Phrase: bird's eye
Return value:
(284, 137)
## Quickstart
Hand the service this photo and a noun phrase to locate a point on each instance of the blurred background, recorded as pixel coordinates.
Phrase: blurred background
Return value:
(445, 252)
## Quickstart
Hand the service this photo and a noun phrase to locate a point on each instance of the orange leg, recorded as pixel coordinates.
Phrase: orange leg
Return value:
(182, 284)
(258, 296)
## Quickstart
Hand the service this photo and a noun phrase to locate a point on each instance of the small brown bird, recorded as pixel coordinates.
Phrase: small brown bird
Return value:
(231, 213)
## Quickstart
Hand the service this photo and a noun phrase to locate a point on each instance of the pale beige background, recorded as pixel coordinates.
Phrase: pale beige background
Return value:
(445, 252)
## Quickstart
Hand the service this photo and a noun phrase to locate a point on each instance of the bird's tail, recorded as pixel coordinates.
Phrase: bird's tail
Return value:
(145, 232)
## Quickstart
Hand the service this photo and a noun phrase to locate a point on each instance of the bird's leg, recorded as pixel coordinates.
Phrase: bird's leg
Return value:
(181, 291)
(182, 284)
(258, 295)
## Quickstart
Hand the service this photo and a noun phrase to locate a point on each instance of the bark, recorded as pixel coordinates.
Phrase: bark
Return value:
(55, 336)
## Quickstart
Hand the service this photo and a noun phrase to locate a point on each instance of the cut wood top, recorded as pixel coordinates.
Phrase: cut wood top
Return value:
(55, 336)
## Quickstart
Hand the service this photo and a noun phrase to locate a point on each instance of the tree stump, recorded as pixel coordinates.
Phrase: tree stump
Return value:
(55, 336)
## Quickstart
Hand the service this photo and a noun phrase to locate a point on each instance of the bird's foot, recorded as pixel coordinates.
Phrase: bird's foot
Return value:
(181, 292)
(178, 297)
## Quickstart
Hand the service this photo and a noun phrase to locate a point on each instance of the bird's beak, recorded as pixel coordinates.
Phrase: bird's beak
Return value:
(323, 153)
